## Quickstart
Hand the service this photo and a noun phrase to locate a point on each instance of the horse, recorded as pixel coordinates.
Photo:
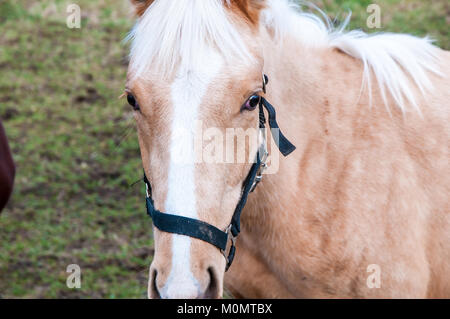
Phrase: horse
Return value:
(359, 210)
(7, 169)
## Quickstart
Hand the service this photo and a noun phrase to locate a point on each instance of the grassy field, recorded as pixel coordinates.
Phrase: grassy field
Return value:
(76, 149)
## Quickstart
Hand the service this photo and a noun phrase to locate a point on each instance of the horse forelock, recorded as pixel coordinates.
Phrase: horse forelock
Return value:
(171, 34)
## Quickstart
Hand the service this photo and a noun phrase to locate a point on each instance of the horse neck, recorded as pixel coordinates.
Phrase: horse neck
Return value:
(314, 92)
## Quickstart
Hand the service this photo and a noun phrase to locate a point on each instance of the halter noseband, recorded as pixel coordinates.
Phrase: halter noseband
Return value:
(208, 233)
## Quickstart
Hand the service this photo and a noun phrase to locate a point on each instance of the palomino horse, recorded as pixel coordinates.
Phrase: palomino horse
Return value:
(359, 210)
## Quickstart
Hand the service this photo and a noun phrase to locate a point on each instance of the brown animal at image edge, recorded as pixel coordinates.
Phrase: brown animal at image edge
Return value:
(7, 169)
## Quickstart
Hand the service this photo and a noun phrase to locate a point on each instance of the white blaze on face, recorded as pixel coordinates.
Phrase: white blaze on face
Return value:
(188, 91)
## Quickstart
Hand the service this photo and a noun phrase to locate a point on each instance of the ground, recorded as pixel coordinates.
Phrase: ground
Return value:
(76, 149)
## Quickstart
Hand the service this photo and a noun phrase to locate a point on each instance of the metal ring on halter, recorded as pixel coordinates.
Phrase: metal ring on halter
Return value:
(146, 191)
(265, 81)
(263, 156)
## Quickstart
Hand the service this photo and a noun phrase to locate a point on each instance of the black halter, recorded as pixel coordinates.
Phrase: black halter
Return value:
(198, 229)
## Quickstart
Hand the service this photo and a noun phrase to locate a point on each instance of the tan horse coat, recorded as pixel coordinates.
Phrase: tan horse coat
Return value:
(365, 188)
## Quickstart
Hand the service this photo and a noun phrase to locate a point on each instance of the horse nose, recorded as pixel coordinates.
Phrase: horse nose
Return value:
(153, 291)
(182, 287)
(213, 291)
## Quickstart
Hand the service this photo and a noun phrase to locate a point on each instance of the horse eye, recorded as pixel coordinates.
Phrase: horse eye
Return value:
(132, 101)
(252, 103)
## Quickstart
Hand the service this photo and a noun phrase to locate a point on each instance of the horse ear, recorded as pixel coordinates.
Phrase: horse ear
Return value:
(141, 5)
(249, 8)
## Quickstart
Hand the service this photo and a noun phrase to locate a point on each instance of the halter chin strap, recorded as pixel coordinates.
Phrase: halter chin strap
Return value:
(208, 233)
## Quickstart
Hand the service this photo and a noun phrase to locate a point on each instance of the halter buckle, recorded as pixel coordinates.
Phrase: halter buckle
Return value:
(231, 238)
(260, 173)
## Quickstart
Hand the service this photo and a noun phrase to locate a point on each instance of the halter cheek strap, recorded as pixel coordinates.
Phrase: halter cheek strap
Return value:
(208, 233)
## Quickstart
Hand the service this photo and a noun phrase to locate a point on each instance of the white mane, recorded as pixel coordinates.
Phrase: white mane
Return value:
(172, 32)
(398, 61)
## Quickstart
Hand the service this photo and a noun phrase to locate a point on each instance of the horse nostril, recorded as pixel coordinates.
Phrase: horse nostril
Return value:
(153, 289)
(213, 288)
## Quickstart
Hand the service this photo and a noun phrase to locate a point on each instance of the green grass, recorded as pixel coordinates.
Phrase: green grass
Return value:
(76, 148)
(417, 17)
